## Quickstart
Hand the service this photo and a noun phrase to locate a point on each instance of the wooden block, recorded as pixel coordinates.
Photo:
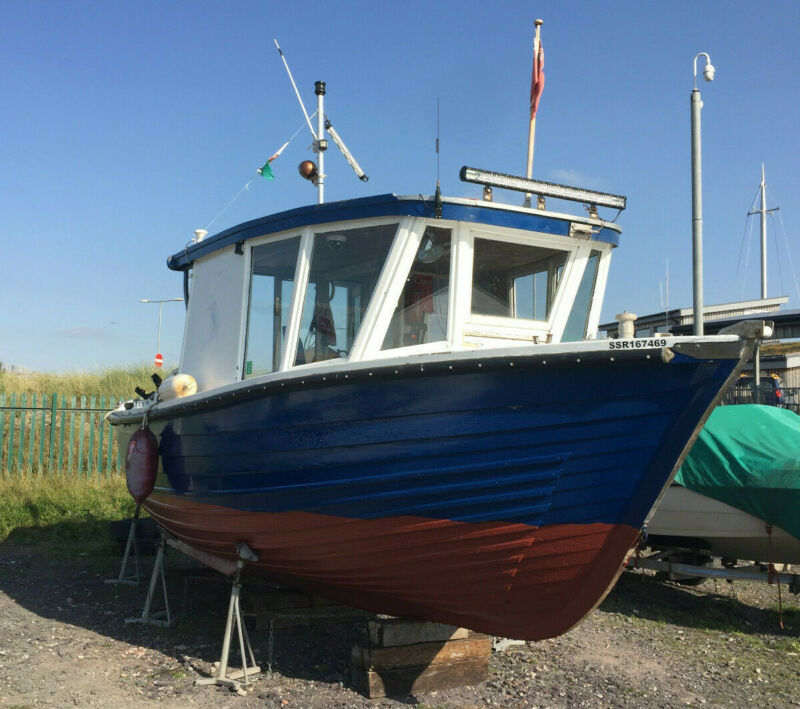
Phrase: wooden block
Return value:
(401, 681)
(422, 654)
(389, 632)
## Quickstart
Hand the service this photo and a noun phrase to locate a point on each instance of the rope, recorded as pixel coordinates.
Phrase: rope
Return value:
(235, 197)
(247, 185)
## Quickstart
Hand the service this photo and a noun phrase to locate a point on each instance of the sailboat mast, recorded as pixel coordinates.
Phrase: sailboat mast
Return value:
(763, 211)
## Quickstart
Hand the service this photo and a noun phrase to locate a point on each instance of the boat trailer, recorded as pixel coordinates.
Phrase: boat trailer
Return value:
(663, 561)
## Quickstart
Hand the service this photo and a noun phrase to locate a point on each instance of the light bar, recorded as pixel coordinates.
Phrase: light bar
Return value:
(544, 189)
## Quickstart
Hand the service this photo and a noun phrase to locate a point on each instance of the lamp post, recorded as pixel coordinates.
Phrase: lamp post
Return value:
(697, 196)
(160, 307)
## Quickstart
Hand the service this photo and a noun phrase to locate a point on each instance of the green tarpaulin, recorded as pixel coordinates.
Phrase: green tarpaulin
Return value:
(748, 456)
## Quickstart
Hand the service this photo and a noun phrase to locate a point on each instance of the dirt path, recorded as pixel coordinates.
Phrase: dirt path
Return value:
(63, 642)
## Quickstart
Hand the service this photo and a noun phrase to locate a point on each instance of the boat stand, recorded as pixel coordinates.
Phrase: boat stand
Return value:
(240, 679)
(124, 576)
(163, 617)
(677, 571)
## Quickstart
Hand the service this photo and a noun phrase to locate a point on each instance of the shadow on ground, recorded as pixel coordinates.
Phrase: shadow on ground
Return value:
(709, 606)
(59, 573)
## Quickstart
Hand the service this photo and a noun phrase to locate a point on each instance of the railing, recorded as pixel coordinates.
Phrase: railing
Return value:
(43, 434)
(765, 394)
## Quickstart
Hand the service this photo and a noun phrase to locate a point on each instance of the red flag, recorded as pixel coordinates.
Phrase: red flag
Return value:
(537, 79)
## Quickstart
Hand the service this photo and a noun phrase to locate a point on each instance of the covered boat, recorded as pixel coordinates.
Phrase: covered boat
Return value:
(397, 408)
(737, 495)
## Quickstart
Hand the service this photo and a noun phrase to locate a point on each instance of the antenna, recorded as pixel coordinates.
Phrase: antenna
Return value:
(316, 173)
(437, 140)
(665, 296)
(294, 86)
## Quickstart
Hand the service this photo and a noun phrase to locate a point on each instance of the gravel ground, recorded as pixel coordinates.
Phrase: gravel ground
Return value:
(63, 642)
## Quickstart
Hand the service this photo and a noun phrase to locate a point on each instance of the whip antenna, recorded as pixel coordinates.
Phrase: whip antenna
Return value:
(437, 140)
(294, 86)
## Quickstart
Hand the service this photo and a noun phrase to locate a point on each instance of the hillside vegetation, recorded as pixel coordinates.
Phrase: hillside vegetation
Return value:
(116, 382)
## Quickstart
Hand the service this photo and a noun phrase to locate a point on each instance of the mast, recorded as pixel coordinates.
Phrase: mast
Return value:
(320, 145)
(763, 211)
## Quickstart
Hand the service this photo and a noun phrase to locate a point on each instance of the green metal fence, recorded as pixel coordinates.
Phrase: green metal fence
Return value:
(47, 433)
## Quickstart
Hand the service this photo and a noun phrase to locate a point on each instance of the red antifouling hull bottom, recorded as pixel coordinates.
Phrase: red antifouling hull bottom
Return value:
(509, 580)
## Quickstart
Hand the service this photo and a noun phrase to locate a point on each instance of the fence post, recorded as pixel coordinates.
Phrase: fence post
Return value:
(11, 426)
(53, 404)
(90, 451)
(22, 420)
(82, 416)
(73, 404)
(100, 438)
(110, 441)
(2, 428)
(62, 428)
(42, 432)
(31, 433)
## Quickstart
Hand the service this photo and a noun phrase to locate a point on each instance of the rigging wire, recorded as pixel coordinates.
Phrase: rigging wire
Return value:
(247, 185)
(786, 245)
(778, 255)
(233, 199)
(789, 255)
(747, 237)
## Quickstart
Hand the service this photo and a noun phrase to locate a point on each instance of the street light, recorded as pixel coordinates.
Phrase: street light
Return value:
(697, 196)
(160, 307)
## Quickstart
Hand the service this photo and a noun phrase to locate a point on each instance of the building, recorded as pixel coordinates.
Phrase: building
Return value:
(679, 321)
(776, 357)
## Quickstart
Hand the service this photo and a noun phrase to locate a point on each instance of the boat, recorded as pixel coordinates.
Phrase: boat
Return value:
(400, 405)
(737, 494)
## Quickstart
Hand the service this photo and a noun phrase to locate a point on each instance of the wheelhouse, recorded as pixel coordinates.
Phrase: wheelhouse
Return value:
(387, 277)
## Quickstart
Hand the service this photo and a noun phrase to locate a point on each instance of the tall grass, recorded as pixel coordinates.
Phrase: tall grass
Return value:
(57, 510)
(61, 510)
(119, 382)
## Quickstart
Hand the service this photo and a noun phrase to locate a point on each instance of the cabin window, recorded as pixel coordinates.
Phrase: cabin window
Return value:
(421, 312)
(515, 280)
(271, 291)
(578, 320)
(345, 266)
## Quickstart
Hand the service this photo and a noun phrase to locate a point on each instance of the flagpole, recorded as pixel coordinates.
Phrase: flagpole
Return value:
(532, 127)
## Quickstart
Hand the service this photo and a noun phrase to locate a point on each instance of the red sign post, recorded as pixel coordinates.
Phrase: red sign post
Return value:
(159, 360)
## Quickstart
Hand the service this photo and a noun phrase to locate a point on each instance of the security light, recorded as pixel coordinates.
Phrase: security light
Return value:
(544, 189)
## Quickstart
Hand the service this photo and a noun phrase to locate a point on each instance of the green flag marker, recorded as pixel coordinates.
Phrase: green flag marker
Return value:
(266, 171)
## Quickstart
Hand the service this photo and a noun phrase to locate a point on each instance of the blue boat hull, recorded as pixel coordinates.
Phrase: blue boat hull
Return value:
(511, 480)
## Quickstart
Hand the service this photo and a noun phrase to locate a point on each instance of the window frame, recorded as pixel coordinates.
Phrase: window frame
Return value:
(464, 329)
(248, 293)
(477, 328)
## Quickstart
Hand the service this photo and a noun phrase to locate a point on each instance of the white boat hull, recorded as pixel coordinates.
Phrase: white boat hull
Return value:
(724, 530)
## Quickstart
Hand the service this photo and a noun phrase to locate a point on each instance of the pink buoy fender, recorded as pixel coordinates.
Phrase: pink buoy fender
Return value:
(141, 463)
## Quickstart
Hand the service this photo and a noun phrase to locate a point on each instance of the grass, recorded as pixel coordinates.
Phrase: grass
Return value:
(59, 513)
(118, 382)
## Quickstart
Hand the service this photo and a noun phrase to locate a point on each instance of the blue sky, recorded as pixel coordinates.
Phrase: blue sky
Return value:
(124, 126)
